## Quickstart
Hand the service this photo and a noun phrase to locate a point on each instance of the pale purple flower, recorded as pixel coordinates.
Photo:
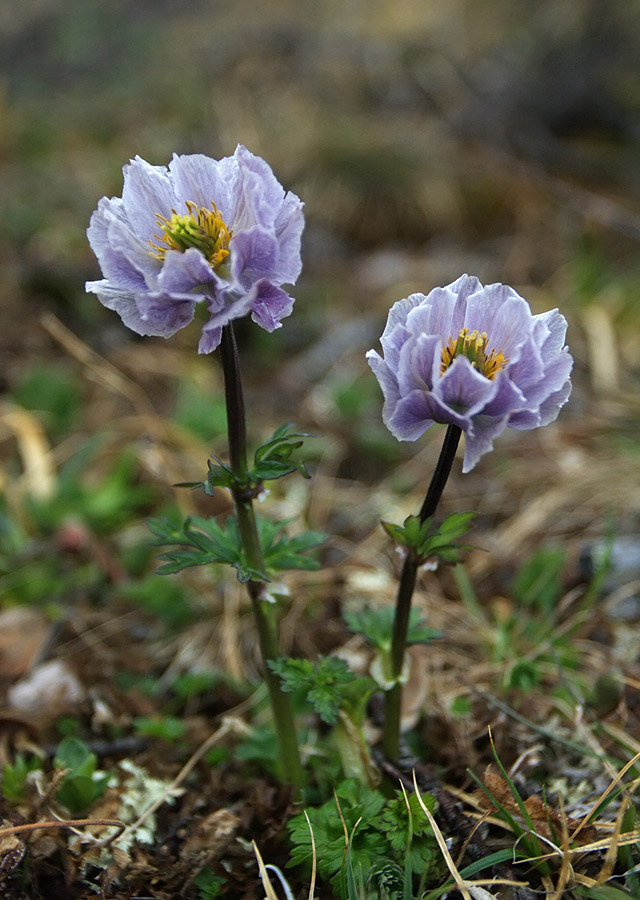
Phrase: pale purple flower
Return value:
(221, 232)
(474, 357)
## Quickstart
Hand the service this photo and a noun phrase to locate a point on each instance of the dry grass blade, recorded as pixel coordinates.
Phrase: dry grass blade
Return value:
(605, 794)
(470, 890)
(312, 884)
(60, 823)
(566, 869)
(228, 727)
(264, 875)
(611, 854)
(344, 824)
(457, 877)
(470, 836)
(39, 471)
(270, 891)
(101, 371)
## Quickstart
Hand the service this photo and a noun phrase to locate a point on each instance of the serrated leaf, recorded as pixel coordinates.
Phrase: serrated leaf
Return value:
(368, 845)
(200, 542)
(283, 552)
(457, 524)
(427, 541)
(419, 633)
(164, 529)
(323, 683)
(273, 459)
(376, 626)
(293, 673)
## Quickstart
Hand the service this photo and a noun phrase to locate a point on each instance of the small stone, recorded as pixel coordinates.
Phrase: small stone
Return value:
(49, 690)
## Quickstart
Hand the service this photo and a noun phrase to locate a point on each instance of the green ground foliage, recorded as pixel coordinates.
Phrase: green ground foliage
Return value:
(426, 140)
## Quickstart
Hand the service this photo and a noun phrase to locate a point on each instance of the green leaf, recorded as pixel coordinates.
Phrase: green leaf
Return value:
(14, 776)
(166, 728)
(604, 892)
(78, 792)
(538, 583)
(368, 845)
(209, 884)
(83, 785)
(411, 835)
(323, 683)
(272, 460)
(283, 552)
(376, 626)
(429, 542)
(73, 754)
(275, 458)
(218, 476)
(202, 541)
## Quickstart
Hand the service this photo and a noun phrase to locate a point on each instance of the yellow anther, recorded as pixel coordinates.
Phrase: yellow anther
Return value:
(474, 347)
(203, 229)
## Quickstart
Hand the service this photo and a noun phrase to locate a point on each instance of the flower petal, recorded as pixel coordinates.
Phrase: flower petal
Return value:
(388, 383)
(523, 388)
(160, 318)
(416, 363)
(463, 389)
(188, 273)
(203, 181)
(147, 192)
(480, 440)
(270, 306)
(210, 339)
(164, 313)
(115, 266)
(289, 225)
(253, 256)
(144, 283)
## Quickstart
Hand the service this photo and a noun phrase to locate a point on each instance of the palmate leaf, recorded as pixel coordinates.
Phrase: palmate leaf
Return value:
(202, 541)
(275, 458)
(356, 802)
(283, 552)
(429, 542)
(323, 683)
(376, 626)
(412, 834)
(272, 460)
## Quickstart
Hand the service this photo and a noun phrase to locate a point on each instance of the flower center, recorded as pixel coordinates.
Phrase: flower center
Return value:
(201, 228)
(474, 346)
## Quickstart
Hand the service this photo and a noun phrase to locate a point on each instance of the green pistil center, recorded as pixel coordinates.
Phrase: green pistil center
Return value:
(203, 229)
(474, 346)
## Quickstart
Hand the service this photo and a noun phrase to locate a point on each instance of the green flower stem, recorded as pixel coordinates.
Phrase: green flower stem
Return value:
(263, 611)
(393, 697)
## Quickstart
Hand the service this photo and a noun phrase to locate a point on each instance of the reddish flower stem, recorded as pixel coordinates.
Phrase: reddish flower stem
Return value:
(263, 611)
(393, 697)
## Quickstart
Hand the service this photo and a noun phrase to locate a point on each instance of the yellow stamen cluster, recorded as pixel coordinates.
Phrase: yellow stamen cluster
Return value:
(474, 346)
(201, 228)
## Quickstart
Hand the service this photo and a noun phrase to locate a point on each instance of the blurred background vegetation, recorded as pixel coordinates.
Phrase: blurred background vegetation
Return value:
(499, 138)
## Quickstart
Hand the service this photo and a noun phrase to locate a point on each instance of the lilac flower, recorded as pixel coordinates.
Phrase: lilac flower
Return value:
(474, 357)
(221, 232)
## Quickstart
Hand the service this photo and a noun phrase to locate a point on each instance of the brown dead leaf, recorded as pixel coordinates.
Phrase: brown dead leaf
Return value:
(546, 821)
(212, 834)
(23, 635)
